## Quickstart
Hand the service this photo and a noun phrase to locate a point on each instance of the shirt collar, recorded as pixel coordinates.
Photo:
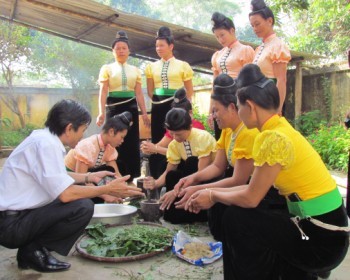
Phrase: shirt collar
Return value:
(269, 38)
(271, 122)
(170, 59)
(56, 139)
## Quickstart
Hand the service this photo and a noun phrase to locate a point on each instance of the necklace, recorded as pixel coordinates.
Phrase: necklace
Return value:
(100, 154)
(232, 143)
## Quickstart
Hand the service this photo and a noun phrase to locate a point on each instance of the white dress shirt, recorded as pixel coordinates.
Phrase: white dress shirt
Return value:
(34, 175)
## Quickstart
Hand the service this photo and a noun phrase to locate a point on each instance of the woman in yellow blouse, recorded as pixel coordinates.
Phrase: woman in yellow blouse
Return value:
(164, 77)
(312, 236)
(273, 55)
(234, 149)
(191, 150)
(120, 90)
(233, 55)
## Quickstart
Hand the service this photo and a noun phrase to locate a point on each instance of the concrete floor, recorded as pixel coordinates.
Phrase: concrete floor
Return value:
(162, 266)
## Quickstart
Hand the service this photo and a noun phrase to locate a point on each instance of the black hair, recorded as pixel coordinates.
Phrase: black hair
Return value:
(259, 7)
(164, 33)
(181, 101)
(220, 21)
(224, 90)
(118, 122)
(121, 37)
(253, 85)
(65, 112)
(178, 119)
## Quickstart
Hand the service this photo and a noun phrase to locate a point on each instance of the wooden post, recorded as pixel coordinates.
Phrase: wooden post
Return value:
(298, 89)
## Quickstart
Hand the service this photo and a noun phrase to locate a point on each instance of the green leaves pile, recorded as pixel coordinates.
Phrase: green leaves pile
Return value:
(125, 241)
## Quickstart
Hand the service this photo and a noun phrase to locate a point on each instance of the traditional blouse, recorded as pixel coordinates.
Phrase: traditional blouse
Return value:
(200, 143)
(170, 74)
(92, 152)
(237, 144)
(273, 50)
(303, 170)
(120, 77)
(230, 60)
(195, 124)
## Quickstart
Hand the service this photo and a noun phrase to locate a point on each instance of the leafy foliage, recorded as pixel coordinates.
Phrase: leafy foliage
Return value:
(203, 118)
(126, 241)
(332, 143)
(307, 123)
(12, 137)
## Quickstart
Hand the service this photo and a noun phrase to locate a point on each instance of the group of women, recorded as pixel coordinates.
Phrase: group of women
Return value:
(258, 160)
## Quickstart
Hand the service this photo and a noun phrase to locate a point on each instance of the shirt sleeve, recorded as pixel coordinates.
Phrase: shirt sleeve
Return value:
(187, 72)
(104, 74)
(213, 62)
(86, 152)
(280, 53)
(148, 71)
(220, 144)
(139, 76)
(110, 153)
(273, 147)
(208, 147)
(50, 172)
(173, 154)
(244, 144)
(248, 55)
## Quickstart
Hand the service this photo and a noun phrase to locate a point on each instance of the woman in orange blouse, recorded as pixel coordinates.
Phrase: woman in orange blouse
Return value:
(273, 55)
(98, 152)
(231, 58)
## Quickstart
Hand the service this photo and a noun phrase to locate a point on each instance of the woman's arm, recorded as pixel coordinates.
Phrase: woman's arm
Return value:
(248, 196)
(141, 102)
(113, 164)
(150, 87)
(189, 89)
(203, 162)
(280, 72)
(102, 103)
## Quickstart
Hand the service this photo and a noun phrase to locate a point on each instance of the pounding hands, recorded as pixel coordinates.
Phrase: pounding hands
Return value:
(200, 200)
(167, 199)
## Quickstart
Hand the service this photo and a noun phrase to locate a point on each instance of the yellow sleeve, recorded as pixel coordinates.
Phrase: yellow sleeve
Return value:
(173, 155)
(273, 147)
(104, 74)
(187, 72)
(244, 144)
(139, 76)
(280, 53)
(220, 144)
(148, 71)
(209, 146)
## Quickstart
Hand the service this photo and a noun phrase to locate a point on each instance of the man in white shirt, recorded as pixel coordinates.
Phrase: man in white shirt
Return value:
(42, 207)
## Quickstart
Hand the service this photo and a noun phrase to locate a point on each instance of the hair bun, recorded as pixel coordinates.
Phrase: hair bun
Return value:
(126, 118)
(218, 19)
(257, 5)
(177, 119)
(180, 95)
(249, 74)
(120, 37)
(224, 84)
(164, 32)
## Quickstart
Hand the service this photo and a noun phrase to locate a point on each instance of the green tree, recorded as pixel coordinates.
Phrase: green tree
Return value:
(323, 26)
(14, 52)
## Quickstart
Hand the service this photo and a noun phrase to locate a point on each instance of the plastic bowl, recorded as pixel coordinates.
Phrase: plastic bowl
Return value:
(113, 214)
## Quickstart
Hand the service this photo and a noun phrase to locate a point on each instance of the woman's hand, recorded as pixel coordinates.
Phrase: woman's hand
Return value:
(100, 119)
(167, 199)
(200, 200)
(186, 194)
(148, 147)
(184, 183)
(149, 183)
(146, 120)
(111, 199)
(119, 188)
(96, 177)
